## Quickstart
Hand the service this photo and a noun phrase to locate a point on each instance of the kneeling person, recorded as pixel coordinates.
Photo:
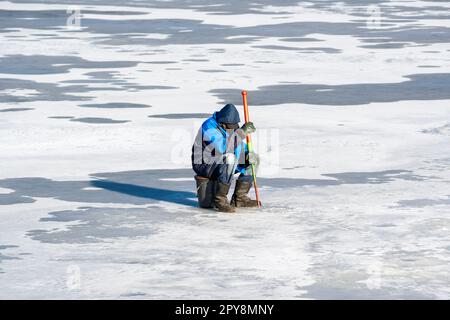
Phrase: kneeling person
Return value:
(219, 152)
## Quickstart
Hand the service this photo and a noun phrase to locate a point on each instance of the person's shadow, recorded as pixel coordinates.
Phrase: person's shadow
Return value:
(174, 196)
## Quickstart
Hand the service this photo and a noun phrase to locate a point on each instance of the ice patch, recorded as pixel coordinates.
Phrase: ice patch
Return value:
(435, 86)
(15, 109)
(99, 120)
(115, 105)
(93, 225)
(421, 203)
(182, 116)
(443, 130)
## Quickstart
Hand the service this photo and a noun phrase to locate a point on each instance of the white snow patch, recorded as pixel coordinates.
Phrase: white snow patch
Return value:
(19, 92)
(6, 190)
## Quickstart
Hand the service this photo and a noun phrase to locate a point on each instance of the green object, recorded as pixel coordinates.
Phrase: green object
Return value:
(248, 128)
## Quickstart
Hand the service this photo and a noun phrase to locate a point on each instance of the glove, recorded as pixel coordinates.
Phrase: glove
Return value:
(252, 158)
(248, 128)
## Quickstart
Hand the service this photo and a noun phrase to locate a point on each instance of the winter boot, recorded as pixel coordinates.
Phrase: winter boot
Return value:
(220, 198)
(240, 198)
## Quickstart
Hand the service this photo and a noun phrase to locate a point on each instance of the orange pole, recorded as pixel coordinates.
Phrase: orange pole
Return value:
(250, 145)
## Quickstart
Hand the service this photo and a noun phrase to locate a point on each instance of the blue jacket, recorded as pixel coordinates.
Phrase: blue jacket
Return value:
(213, 136)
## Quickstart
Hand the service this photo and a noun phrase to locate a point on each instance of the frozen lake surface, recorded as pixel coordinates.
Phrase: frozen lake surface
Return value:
(352, 104)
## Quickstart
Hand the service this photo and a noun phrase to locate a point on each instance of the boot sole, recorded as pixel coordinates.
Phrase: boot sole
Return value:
(225, 211)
